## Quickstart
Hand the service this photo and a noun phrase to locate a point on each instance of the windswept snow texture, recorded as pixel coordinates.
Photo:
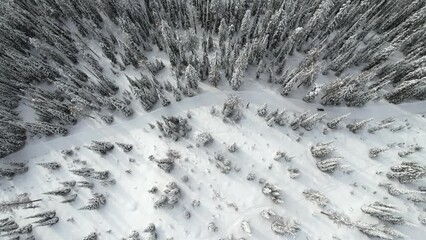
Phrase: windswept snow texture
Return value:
(225, 199)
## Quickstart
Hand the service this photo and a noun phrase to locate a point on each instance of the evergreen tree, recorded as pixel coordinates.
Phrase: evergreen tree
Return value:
(191, 77)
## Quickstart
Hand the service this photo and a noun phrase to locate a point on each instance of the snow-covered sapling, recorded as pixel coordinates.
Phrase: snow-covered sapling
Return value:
(285, 226)
(232, 108)
(293, 172)
(263, 110)
(280, 154)
(315, 196)
(12, 171)
(407, 172)
(91, 236)
(232, 148)
(328, 165)
(174, 127)
(379, 127)
(357, 126)
(335, 122)
(101, 147)
(338, 218)
(95, 202)
(422, 219)
(168, 163)
(125, 146)
(295, 124)
(245, 225)
(59, 192)
(170, 198)
(268, 214)
(273, 191)
(50, 165)
(212, 227)
(281, 118)
(85, 184)
(48, 222)
(108, 119)
(321, 150)
(70, 198)
(187, 214)
(374, 152)
(383, 211)
(134, 235)
(224, 165)
(378, 231)
(251, 176)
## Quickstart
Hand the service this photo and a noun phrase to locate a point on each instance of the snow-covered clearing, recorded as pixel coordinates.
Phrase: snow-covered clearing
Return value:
(225, 199)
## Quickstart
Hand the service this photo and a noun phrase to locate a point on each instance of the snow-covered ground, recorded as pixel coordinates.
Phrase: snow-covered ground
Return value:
(225, 199)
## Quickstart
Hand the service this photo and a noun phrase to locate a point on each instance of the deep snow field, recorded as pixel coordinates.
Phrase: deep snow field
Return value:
(225, 199)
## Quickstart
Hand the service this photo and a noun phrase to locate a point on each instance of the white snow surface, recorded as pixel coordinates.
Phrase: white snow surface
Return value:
(226, 199)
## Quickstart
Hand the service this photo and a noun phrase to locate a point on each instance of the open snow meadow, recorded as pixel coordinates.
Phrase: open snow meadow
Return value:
(215, 119)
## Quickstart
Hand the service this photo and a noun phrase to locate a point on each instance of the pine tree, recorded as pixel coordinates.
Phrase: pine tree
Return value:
(191, 77)
(239, 69)
(245, 27)
(214, 75)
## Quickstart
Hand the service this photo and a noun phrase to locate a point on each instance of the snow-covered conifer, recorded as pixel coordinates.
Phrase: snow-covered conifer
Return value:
(383, 211)
(125, 146)
(263, 110)
(191, 77)
(357, 126)
(334, 122)
(315, 196)
(322, 149)
(95, 202)
(407, 172)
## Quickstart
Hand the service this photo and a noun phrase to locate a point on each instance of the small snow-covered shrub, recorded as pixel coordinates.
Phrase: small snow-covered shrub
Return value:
(91, 236)
(294, 172)
(321, 150)
(281, 154)
(108, 119)
(328, 165)
(170, 198)
(251, 176)
(232, 148)
(263, 110)
(357, 126)
(315, 196)
(212, 227)
(273, 191)
(268, 214)
(126, 147)
(95, 202)
(378, 231)
(245, 225)
(101, 147)
(285, 226)
(203, 138)
(338, 218)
